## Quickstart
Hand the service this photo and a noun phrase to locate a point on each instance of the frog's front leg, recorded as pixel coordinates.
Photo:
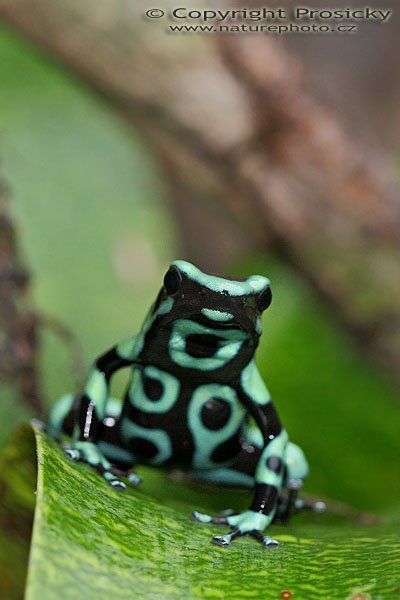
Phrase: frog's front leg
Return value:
(269, 471)
(268, 478)
(91, 454)
(90, 410)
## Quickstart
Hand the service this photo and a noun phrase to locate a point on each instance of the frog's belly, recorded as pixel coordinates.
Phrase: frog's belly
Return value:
(167, 422)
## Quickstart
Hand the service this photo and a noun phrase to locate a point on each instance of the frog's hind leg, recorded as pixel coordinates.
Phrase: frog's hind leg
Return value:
(111, 443)
(62, 419)
(241, 472)
(64, 415)
(223, 476)
(296, 470)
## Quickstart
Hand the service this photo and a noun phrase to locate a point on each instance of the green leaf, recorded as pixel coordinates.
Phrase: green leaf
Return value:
(17, 505)
(90, 541)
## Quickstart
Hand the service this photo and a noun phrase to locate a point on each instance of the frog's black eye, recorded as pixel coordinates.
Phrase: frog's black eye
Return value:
(264, 299)
(172, 281)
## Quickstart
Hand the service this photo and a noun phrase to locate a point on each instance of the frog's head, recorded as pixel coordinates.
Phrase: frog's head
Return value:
(200, 304)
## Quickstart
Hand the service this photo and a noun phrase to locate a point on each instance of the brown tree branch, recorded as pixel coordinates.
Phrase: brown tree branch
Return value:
(61, 330)
(18, 333)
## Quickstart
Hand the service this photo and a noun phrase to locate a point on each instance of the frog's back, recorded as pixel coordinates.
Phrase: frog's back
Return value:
(180, 421)
(182, 405)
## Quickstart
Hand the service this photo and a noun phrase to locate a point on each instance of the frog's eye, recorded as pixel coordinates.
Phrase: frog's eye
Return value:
(264, 299)
(172, 281)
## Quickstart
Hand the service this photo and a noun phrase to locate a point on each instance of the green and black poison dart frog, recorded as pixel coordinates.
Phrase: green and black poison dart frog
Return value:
(195, 400)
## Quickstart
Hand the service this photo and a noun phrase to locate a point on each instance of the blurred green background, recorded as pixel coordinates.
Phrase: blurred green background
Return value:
(95, 229)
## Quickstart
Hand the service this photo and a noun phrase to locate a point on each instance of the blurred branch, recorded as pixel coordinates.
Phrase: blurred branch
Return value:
(234, 110)
(78, 367)
(18, 333)
(19, 324)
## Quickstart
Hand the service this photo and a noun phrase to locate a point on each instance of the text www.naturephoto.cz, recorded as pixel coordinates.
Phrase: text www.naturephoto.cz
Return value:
(279, 29)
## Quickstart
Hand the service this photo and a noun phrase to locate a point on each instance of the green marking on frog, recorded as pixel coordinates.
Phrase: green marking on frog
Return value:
(59, 412)
(276, 448)
(259, 326)
(230, 342)
(207, 440)
(223, 476)
(159, 438)
(139, 342)
(195, 399)
(216, 315)
(254, 385)
(116, 453)
(170, 385)
(296, 463)
(165, 306)
(96, 384)
(127, 347)
(251, 285)
(248, 520)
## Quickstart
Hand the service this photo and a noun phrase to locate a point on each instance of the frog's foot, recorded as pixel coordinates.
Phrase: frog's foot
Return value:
(90, 454)
(266, 540)
(245, 523)
(109, 476)
(38, 424)
(133, 478)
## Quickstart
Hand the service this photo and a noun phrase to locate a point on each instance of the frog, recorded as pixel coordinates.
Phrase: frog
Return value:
(195, 401)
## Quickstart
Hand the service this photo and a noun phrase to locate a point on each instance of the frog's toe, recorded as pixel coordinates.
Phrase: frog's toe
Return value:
(269, 542)
(72, 453)
(110, 477)
(133, 478)
(228, 512)
(266, 540)
(38, 424)
(117, 484)
(222, 540)
(202, 518)
(225, 540)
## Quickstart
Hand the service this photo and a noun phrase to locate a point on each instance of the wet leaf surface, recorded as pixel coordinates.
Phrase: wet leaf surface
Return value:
(92, 541)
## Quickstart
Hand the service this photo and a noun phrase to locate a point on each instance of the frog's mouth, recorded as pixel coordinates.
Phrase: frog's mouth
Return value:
(195, 346)
(202, 345)
(198, 324)
(212, 323)
(207, 337)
